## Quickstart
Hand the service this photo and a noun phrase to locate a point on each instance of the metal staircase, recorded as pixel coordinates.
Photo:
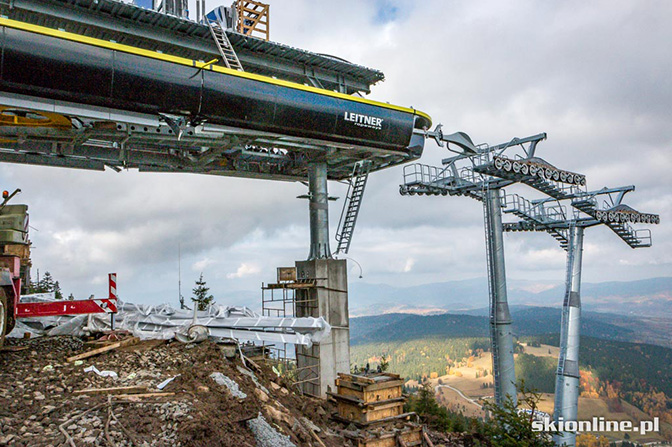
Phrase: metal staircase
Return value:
(229, 56)
(351, 206)
(539, 217)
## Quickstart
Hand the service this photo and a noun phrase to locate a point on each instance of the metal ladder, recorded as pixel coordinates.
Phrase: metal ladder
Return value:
(351, 206)
(224, 46)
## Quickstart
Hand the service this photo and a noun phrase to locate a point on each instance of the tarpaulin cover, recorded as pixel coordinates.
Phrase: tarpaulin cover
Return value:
(164, 322)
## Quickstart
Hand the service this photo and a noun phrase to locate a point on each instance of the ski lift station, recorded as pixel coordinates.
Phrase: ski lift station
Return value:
(108, 84)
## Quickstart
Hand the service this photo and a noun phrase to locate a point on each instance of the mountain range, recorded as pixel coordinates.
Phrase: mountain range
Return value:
(527, 321)
(643, 298)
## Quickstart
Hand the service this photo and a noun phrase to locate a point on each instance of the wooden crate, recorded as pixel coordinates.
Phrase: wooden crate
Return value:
(373, 388)
(357, 411)
(410, 435)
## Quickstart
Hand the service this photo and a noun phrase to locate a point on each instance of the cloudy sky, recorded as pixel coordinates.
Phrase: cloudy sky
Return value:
(596, 76)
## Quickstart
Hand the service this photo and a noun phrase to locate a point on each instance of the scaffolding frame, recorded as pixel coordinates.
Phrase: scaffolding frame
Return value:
(288, 299)
(253, 19)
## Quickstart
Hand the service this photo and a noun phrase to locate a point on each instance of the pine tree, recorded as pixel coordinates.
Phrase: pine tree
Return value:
(201, 297)
(509, 428)
(384, 364)
(47, 283)
(57, 291)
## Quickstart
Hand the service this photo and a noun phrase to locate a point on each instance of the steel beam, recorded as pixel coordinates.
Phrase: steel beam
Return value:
(567, 377)
(319, 211)
(500, 317)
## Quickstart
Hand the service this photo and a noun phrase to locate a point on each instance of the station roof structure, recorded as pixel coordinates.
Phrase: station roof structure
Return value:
(101, 138)
(132, 25)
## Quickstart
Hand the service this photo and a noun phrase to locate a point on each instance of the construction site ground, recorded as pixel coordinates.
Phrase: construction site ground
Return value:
(42, 402)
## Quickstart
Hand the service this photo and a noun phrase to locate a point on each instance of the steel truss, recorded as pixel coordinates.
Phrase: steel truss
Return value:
(477, 172)
(107, 138)
(481, 172)
(567, 226)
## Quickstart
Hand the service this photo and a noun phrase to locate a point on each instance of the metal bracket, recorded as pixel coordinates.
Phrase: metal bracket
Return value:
(177, 123)
(459, 139)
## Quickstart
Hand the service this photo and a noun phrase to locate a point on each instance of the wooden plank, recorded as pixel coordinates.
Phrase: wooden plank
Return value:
(384, 404)
(401, 417)
(409, 436)
(126, 342)
(99, 343)
(113, 390)
(370, 405)
(350, 399)
(93, 352)
(427, 440)
(143, 395)
(368, 388)
(356, 378)
(13, 348)
(349, 384)
(384, 385)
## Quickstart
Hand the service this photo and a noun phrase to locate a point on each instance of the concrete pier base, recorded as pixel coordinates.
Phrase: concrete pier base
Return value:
(318, 366)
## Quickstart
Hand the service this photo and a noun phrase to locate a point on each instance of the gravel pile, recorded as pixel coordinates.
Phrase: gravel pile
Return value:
(266, 435)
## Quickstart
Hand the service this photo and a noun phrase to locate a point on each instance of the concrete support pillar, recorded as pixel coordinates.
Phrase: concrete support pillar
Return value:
(500, 317)
(318, 366)
(567, 377)
(319, 211)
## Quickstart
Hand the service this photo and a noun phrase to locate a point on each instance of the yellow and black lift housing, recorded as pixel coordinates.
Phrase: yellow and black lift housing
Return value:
(96, 83)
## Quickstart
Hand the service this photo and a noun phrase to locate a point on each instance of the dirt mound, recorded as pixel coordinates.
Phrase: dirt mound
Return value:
(41, 407)
(212, 399)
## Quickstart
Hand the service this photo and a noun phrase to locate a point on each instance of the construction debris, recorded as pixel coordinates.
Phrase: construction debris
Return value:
(93, 369)
(221, 379)
(108, 347)
(63, 406)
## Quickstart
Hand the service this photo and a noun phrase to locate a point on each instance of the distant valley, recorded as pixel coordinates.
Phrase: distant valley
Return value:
(650, 298)
(527, 321)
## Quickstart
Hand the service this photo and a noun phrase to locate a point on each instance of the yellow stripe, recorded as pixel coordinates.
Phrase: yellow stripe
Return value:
(191, 63)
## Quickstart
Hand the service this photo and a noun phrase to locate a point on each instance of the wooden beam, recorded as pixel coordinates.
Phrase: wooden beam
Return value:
(126, 342)
(113, 390)
(143, 395)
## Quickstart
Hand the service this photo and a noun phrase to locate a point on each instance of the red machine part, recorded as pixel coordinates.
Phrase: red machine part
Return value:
(71, 307)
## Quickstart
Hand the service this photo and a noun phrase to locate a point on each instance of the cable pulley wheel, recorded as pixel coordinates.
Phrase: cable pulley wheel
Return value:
(499, 163)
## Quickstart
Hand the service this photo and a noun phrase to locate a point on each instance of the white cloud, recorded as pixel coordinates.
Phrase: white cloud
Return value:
(201, 265)
(244, 269)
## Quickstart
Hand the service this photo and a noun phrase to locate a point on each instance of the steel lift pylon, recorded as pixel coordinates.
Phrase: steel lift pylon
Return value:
(568, 229)
(480, 172)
